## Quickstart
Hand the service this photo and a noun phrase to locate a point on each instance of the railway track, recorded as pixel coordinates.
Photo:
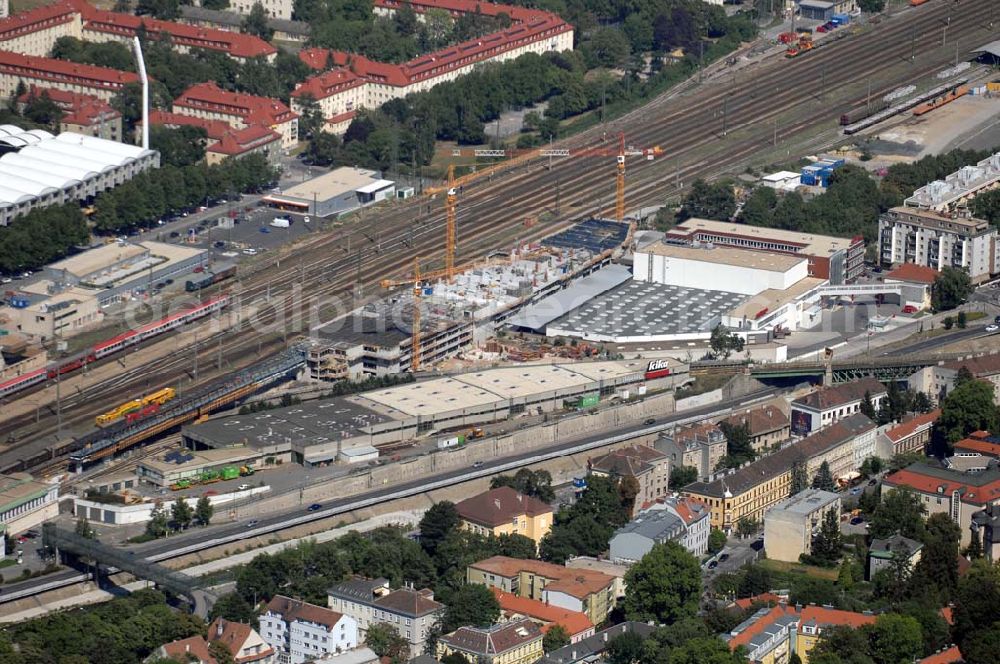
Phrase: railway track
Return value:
(320, 276)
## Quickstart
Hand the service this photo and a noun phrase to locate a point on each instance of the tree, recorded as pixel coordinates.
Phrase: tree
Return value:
(555, 638)
(871, 6)
(220, 653)
(681, 476)
(157, 526)
(534, 483)
(800, 477)
(976, 600)
(437, 522)
(585, 528)
(824, 478)
(845, 575)
(975, 549)
(203, 511)
(961, 320)
(747, 526)
(40, 109)
(716, 540)
(754, 580)
(472, 604)
(739, 448)
(255, 23)
(310, 116)
(951, 288)
(902, 511)
(83, 529)
(664, 585)
(724, 342)
(894, 638)
(826, 545)
(967, 408)
(868, 408)
(709, 201)
(385, 641)
(628, 490)
(948, 322)
(938, 564)
(982, 647)
(179, 147)
(871, 466)
(232, 606)
(626, 648)
(181, 513)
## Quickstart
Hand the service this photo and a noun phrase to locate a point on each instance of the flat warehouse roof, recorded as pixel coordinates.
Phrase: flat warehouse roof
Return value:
(95, 260)
(818, 245)
(536, 316)
(430, 397)
(759, 260)
(172, 252)
(335, 183)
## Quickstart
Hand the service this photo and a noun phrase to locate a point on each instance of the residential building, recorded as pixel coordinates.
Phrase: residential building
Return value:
(284, 29)
(35, 31)
(82, 114)
(840, 260)
(769, 426)
(193, 650)
(26, 503)
(592, 648)
(678, 520)
(949, 655)
(700, 446)
(370, 601)
(301, 632)
(505, 511)
(612, 569)
(980, 443)
(937, 381)
(827, 405)
(912, 435)
(944, 491)
(916, 283)
(99, 82)
(986, 527)
(938, 240)
(814, 619)
(512, 607)
(789, 526)
(750, 491)
(580, 590)
(241, 640)
(515, 642)
(958, 188)
(650, 469)
(223, 140)
(210, 102)
(767, 635)
(882, 552)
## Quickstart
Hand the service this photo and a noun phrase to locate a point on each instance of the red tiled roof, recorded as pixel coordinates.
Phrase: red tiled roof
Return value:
(498, 506)
(214, 129)
(193, 645)
(763, 598)
(690, 510)
(915, 273)
(950, 656)
(234, 635)
(842, 394)
(760, 420)
(575, 582)
(984, 447)
(236, 44)
(760, 625)
(495, 640)
(342, 117)
(50, 69)
(239, 141)
(948, 614)
(910, 427)
(36, 19)
(77, 108)
(328, 83)
(944, 483)
(823, 617)
(292, 609)
(573, 622)
(253, 109)
(984, 365)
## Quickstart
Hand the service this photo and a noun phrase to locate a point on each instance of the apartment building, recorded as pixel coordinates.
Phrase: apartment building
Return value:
(945, 491)
(210, 102)
(678, 520)
(700, 446)
(649, 468)
(301, 632)
(82, 114)
(582, 590)
(99, 82)
(370, 601)
(35, 31)
(979, 442)
(938, 380)
(515, 642)
(752, 490)
(505, 511)
(512, 607)
(827, 405)
(912, 435)
(773, 634)
(938, 240)
(789, 526)
(768, 426)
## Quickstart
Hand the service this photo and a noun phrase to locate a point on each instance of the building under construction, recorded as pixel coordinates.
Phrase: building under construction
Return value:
(454, 314)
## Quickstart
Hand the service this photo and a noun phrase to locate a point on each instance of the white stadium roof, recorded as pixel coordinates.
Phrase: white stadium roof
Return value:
(80, 156)
(42, 177)
(24, 185)
(40, 163)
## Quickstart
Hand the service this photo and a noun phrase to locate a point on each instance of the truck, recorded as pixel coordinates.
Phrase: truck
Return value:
(230, 473)
(475, 432)
(246, 471)
(208, 278)
(454, 441)
(280, 222)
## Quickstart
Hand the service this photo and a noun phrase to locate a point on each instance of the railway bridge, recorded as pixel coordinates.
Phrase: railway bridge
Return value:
(188, 587)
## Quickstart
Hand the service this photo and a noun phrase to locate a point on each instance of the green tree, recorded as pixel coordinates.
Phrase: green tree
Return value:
(83, 529)
(181, 514)
(982, 647)
(976, 601)
(310, 116)
(217, 5)
(716, 540)
(709, 201)
(871, 466)
(220, 653)
(951, 288)
(472, 604)
(438, 521)
(203, 511)
(800, 477)
(827, 544)
(967, 408)
(555, 638)
(664, 586)
(585, 528)
(158, 525)
(724, 343)
(40, 109)
(894, 639)
(232, 606)
(747, 526)
(845, 575)
(255, 23)
(961, 320)
(537, 484)
(871, 6)
(938, 564)
(385, 641)
(739, 447)
(824, 478)
(626, 648)
(868, 407)
(179, 147)
(754, 580)
(902, 511)
(682, 476)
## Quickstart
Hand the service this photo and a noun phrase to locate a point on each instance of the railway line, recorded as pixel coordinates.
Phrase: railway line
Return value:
(320, 276)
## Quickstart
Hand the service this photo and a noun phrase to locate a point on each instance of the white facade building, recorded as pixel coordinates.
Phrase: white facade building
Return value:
(301, 632)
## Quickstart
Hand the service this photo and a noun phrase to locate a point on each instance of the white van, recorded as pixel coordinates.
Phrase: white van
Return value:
(250, 251)
(280, 222)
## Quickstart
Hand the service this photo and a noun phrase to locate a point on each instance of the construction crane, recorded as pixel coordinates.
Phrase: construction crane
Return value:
(450, 202)
(619, 152)
(438, 274)
(415, 332)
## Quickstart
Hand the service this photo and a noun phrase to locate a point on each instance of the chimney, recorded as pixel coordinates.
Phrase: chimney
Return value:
(573, 657)
(187, 647)
(605, 637)
(218, 630)
(497, 503)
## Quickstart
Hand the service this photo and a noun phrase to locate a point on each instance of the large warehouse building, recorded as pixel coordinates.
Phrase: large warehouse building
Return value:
(38, 169)
(322, 431)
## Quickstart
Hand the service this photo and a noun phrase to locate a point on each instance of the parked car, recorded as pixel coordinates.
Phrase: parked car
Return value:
(724, 557)
(909, 309)
(821, 28)
(857, 521)
(713, 564)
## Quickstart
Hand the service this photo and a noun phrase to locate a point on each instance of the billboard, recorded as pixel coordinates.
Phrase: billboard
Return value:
(657, 369)
(801, 422)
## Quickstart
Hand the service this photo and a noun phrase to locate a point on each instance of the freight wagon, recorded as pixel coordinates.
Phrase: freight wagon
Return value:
(858, 114)
(209, 278)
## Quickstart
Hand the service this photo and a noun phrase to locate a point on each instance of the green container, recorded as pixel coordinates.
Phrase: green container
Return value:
(588, 400)
(230, 473)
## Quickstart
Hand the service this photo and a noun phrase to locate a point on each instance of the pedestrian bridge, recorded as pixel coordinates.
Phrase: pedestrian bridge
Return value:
(861, 289)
